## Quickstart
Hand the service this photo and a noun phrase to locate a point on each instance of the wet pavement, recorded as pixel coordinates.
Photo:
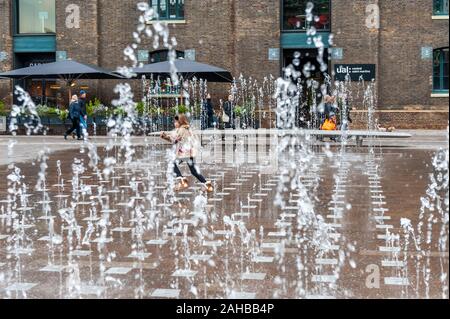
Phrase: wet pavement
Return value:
(127, 236)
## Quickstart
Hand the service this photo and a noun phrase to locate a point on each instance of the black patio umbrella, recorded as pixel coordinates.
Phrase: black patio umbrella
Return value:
(187, 69)
(68, 71)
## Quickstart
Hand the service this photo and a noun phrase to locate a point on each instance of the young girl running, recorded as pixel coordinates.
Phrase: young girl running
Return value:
(186, 150)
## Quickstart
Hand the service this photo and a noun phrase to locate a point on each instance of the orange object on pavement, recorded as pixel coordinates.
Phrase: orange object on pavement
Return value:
(329, 125)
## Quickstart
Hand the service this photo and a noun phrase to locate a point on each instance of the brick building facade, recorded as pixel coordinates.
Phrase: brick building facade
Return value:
(256, 38)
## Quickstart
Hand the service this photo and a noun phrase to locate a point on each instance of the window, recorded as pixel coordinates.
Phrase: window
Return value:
(163, 55)
(440, 70)
(294, 15)
(169, 9)
(36, 16)
(440, 7)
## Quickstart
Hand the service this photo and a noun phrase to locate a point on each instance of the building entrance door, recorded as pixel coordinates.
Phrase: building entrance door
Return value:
(306, 61)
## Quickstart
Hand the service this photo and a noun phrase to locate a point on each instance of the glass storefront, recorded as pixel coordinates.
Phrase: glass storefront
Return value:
(42, 91)
(163, 55)
(295, 16)
(169, 9)
(36, 16)
(306, 62)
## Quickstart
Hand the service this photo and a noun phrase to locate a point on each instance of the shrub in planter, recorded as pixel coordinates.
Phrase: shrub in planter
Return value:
(119, 111)
(140, 108)
(63, 115)
(155, 111)
(239, 112)
(92, 106)
(3, 111)
(101, 113)
(48, 115)
(100, 120)
(242, 116)
(46, 111)
(97, 112)
(180, 109)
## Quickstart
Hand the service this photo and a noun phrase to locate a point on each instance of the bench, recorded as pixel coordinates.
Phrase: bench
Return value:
(358, 135)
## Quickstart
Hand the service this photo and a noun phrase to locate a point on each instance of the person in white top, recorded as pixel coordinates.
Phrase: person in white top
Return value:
(187, 148)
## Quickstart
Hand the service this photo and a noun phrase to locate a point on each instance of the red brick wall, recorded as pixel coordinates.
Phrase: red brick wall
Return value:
(237, 35)
(405, 77)
(6, 45)
(81, 43)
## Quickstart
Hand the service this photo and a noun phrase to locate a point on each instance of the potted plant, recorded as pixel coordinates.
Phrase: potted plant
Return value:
(49, 115)
(180, 109)
(250, 113)
(155, 111)
(119, 112)
(63, 115)
(141, 109)
(96, 110)
(90, 108)
(239, 113)
(100, 114)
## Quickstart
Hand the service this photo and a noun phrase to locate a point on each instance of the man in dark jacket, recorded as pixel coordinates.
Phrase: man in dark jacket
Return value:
(75, 112)
(228, 108)
(82, 101)
(209, 111)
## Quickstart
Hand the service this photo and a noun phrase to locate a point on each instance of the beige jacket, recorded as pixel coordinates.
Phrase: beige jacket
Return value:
(187, 143)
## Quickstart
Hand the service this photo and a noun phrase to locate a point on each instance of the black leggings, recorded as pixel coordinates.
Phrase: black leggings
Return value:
(75, 127)
(191, 164)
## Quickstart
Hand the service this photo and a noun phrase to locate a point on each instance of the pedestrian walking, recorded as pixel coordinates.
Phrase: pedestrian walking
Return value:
(228, 112)
(209, 111)
(75, 113)
(83, 103)
(84, 118)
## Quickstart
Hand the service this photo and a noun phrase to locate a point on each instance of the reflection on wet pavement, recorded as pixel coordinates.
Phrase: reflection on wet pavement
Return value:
(73, 233)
